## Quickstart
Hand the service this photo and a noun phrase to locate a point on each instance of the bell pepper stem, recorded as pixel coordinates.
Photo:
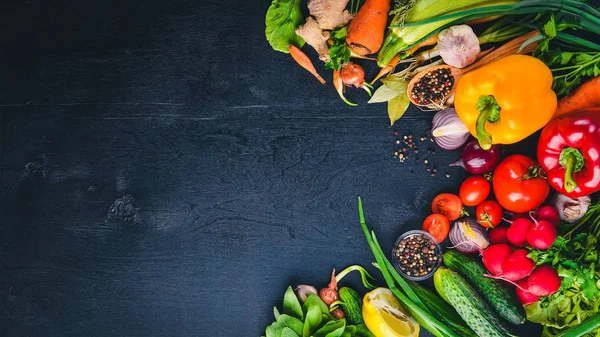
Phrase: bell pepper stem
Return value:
(489, 111)
(570, 183)
(572, 161)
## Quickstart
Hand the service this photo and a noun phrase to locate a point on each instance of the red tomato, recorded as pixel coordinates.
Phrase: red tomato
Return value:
(518, 185)
(448, 205)
(474, 190)
(437, 225)
(489, 214)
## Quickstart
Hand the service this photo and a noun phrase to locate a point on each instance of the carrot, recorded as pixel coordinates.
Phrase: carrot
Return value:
(586, 96)
(387, 69)
(303, 60)
(365, 32)
(427, 42)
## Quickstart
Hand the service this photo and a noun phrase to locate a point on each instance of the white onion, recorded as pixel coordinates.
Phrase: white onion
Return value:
(467, 236)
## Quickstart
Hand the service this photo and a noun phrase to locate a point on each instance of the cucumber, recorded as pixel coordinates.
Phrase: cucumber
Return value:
(469, 305)
(352, 306)
(495, 292)
(442, 310)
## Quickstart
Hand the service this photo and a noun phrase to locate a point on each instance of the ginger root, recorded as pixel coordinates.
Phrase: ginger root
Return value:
(330, 14)
(315, 37)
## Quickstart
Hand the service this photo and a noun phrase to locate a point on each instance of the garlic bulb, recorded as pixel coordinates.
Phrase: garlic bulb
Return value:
(571, 209)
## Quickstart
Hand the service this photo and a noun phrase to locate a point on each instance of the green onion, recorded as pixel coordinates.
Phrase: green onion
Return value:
(364, 275)
(590, 16)
(421, 315)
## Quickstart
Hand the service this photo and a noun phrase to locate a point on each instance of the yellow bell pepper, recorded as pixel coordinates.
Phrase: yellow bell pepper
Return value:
(507, 100)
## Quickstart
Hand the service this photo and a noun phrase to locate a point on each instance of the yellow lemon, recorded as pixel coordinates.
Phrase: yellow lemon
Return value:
(385, 317)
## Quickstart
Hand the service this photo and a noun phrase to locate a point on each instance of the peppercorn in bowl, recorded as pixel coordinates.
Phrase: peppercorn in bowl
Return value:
(416, 255)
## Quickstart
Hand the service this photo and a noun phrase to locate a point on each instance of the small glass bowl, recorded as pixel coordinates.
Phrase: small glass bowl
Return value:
(397, 259)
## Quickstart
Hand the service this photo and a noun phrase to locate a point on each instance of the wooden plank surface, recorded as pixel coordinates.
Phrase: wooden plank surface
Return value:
(163, 172)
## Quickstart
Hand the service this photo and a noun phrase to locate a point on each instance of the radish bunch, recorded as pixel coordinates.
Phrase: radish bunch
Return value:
(513, 265)
(538, 231)
(543, 281)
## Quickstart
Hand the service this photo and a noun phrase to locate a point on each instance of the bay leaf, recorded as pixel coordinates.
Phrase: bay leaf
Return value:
(383, 94)
(395, 83)
(397, 107)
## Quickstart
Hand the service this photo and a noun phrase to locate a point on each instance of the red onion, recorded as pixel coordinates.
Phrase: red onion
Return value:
(467, 236)
(477, 160)
(448, 131)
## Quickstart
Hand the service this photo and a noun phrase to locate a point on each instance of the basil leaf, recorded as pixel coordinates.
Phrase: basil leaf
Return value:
(313, 299)
(287, 332)
(312, 321)
(283, 17)
(332, 329)
(276, 313)
(291, 322)
(291, 305)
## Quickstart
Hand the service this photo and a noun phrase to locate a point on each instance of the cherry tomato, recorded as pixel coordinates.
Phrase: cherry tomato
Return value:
(437, 225)
(474, 190)
(448, 205)
(518, 184)
(489, 214)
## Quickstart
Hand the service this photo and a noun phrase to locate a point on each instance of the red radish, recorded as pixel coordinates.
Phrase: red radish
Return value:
(330, 293)
(525, 297)
(498, 235)
(517, 266)
(517, 232)
(548, 213)
(543, 281)
(354, 75)
(494, 256)
(541, 235)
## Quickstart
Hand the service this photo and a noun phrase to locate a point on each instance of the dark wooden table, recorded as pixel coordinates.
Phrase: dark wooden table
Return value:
(163, 172)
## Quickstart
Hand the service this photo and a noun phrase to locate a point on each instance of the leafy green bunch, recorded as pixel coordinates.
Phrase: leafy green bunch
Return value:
(581, 61)
(312, 318)
(574, 255)
(339, 51)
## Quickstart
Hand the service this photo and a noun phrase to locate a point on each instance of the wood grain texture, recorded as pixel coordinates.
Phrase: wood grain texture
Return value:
(163, 172)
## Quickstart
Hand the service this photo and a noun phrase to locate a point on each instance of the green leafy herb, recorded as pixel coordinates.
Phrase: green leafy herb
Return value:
(283, 17)
(575, 258)
(339, 51)
(312, 319)
(569, 68)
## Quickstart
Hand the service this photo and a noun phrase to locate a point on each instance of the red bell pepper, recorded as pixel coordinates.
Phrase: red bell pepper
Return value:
(569, 151)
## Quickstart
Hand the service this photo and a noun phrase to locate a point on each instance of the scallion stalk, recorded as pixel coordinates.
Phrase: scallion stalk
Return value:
(422, 316)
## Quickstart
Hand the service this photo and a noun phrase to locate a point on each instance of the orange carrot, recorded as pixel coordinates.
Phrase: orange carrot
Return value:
(482, 20)
(586, 96)
(365, 32)
(427, 42)
(304, 61)
(387, 69)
